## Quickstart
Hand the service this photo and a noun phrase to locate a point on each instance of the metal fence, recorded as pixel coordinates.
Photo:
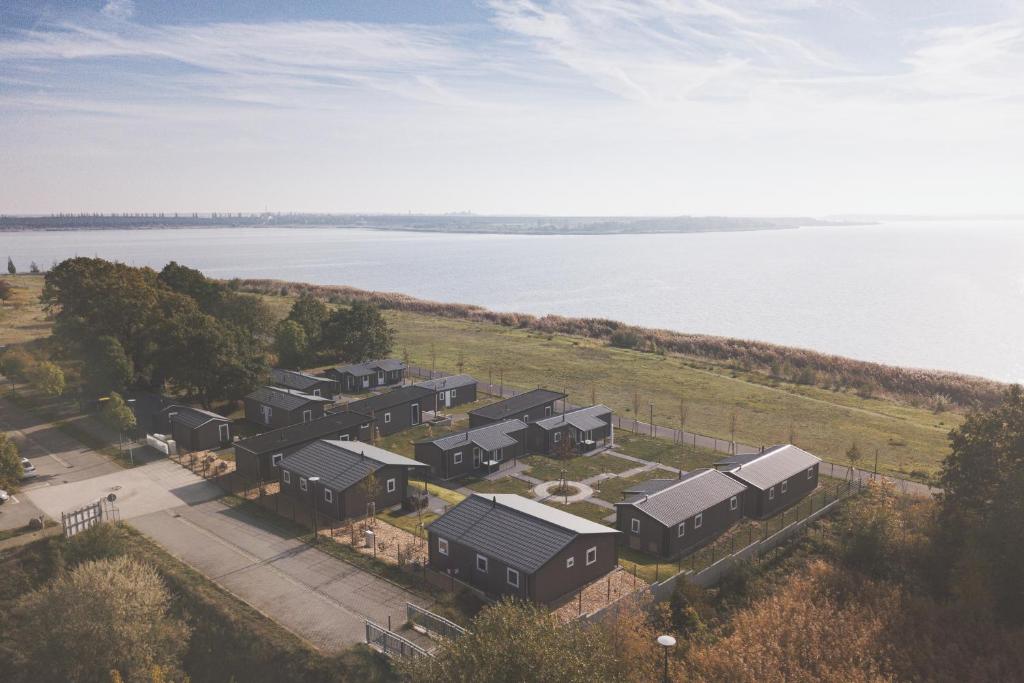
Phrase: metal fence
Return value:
(392, 644)
(432, 623)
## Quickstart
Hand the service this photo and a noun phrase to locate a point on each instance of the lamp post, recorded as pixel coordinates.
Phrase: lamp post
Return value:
(131, 455)
(666, 643)
(316, 532)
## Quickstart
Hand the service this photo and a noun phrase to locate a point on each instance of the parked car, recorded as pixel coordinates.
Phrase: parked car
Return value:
(28, 469)
(4, 496)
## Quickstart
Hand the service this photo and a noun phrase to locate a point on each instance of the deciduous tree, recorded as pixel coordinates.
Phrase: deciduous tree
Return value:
(107, 368)
(291, 344)
(10, 463)
(310, 313)
(47, 378)
(359, 333)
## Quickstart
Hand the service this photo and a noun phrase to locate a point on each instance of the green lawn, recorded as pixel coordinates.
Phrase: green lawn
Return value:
(402, 442)
(685, 457)
(549, 469)
(611, 489)
(504, 485)
(594, 513)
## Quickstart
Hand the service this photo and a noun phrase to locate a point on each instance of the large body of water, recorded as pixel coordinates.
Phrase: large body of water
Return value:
(947, 295)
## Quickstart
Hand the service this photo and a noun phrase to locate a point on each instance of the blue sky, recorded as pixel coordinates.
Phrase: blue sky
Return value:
(651, 107)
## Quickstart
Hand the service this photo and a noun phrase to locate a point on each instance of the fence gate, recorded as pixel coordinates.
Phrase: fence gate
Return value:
(432, 623)
(88, 516)
(392, 644)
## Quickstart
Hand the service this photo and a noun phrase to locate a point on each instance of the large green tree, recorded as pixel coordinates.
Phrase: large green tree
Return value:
(982, 502)
(310, 313)
(358, 333)
(106, 368)
(10, 463)
(48, 378)
(291, 344)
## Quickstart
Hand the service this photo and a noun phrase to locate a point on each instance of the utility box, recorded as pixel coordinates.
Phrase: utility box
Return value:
(370, 538)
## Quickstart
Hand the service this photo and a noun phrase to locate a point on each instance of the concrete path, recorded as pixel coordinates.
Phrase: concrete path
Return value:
(320, 598)
(543, 491)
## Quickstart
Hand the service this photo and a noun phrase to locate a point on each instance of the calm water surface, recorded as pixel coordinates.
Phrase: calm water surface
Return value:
(946, 295)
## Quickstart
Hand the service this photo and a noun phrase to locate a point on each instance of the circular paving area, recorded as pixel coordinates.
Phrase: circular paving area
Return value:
(545, 490)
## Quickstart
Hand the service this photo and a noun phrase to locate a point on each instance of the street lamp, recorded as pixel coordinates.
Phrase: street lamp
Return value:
(316, 533)
(666, 643)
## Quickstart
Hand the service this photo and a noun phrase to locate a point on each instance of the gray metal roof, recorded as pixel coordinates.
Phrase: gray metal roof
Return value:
(372, 366)
(517, 404)
(191, 417)
(488, 438)
(329, 425)
(695, 492)
(390, 399)
(286, 399)
(770, 467)
(516, 531)
(292, 379)
(581, 418)
(648, 487)
(451, 382)
(341, 464)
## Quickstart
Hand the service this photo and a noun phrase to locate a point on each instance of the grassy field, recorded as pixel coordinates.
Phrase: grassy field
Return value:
(576, 469)
(595, 513)
(910, 441)
(681, 456)
(22, 318)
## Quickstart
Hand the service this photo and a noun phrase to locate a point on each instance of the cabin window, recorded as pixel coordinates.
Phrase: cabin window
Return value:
(785, 485)
(557, 437)
(497, 455)
(681, 529)
(302, 483)
(225, 432)
(457, 458)
(328, 496)
(591, 555)
(526, 418)
(451, 395)
(513, 577)
(391, 486)
(698, 520)
(734, 503)
(481, 563)
(276, 459)
(810, 473)
(771, 493)
(570, 562)
(547, 411)
(634, 525)
(316, 392)
(387, 418)
(442, 546)
(287, 476)
(307, 415)
(343, 437)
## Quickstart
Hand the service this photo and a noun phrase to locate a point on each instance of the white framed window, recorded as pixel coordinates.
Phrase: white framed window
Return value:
(785, 485)
(328, 496)
(570, 562)
(591, 555)
(512, 576)
(810, 473)
(451, 395)
(547, 411)
(302, 483)
(526, 418)
(344, 437)
(307, 415)
(391, 486)
(734, 503)
(498, 454)
(634, 525)
(287, 476)
(442, 546)
(698, 520)
(316, 392)
(481, 563)
(457, 458)
(478, 457)
(681, 529)
(387, 418)
(771, 493)
(276, 459)
(557, 437)
(224, 432)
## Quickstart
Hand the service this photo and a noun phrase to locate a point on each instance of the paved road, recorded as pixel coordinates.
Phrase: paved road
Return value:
(312, 594)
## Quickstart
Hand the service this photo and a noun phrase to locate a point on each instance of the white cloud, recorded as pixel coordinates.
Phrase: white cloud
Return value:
(121, 10)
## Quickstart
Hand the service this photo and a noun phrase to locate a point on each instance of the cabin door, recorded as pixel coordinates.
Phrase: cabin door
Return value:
(366, 381)
(266, 412)
(446, 399)
(415, 417)
(380, 377)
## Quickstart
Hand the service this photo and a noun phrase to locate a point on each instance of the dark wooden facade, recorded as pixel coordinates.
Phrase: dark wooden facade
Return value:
(256, 458)
(396, 410)
(256, 413)
(767, 502)
(466, 457)
(351, 502)
(654, 537)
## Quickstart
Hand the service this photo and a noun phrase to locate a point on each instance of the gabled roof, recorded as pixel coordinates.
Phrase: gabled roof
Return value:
(451, 382)
(684, 498)
(517, 404)
(488, 438)
(285, 399)
(581, 418)
(516, 531)
(648, 487)
(330, 425)
(341, 464)
(768, 468)
(293, 379)
(371, 367)
(390, 399)
(191, 417)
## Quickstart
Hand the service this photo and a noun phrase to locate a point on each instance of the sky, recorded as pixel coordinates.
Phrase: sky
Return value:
(570, 107)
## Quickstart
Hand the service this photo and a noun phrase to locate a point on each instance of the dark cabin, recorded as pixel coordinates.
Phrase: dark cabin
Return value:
(275, 407)
(504, 544)
(532, 405)
(304, 382)
(397, 409)
(776, 478)
(674, 517)
(365, 376)
(470, 451)
(257, 458)
(576, 431)
(451, 391)
(193, 429)
(343, 468)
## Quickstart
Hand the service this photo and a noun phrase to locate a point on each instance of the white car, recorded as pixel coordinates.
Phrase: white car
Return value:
(4, 496)
(28, 469)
